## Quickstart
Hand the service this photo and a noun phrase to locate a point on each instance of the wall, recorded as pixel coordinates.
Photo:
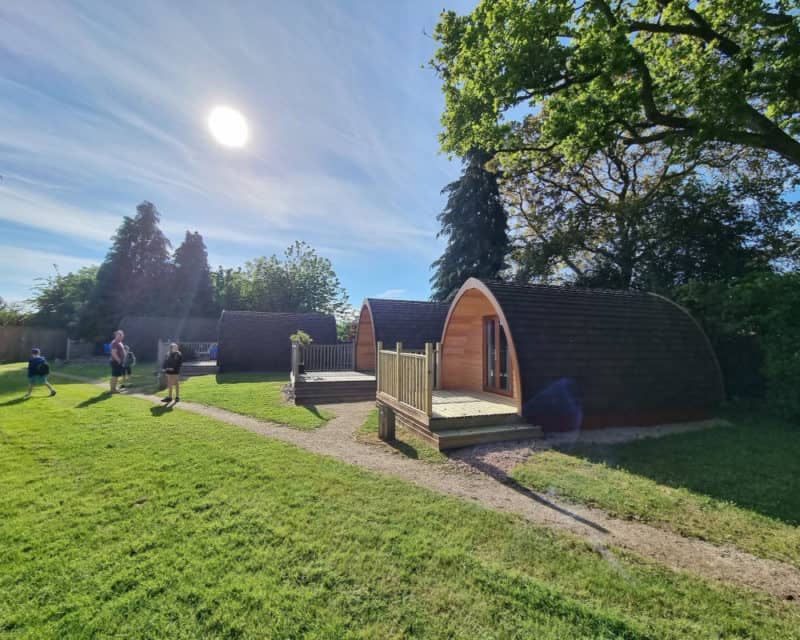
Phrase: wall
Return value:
(365, 342)
(16, 343)
(462, 348)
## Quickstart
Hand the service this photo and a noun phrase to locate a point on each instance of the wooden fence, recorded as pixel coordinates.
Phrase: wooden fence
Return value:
(202, 350)
(407, 377)
(328, 357)
(16, 343)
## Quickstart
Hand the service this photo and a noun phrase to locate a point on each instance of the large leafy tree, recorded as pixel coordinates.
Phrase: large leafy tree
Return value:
(136, 274)
(299, 281)
(63, 301)
(475, 223)
(11, 314)
(686, 72)
(635, 217)
(191, 285)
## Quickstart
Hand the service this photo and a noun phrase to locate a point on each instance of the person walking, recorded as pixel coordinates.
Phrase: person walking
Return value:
(117, 359)
(38, 370)
(127, 366)
(172, 368)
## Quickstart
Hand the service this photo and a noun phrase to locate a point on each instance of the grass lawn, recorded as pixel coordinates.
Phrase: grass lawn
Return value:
(121, 519)
(406, 443)
(143, 377)
(252, 394)
(737, 485)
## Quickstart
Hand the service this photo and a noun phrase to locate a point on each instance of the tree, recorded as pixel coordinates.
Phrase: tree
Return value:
(11, 314)
(683, 72)
(637, 217)
(63, 301)
(136, 274)
(229, 289)
(476, 226)
(301, 281)
(191, 285)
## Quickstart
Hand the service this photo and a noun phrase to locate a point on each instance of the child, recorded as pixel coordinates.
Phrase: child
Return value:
(38, 369)
(127, 366)
(172, 367)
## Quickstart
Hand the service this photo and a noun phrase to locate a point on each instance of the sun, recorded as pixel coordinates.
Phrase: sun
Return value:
(228, 126)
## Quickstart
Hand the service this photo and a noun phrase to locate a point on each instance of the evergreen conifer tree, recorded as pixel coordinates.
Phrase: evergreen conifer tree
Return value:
(476, 226)
(191, 288)
(135, 276)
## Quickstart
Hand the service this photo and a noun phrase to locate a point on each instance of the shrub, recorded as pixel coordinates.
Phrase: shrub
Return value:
(754, 325)
(301, 338)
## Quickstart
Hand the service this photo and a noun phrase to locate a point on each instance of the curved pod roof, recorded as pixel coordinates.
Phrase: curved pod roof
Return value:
(593, 358)
(408, 321)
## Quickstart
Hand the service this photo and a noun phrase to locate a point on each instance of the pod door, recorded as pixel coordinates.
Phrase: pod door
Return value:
(496, 357)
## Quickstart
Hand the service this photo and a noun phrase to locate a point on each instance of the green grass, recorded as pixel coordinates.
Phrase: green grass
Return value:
(252, 394)
(406, 443)
(143, 377)
(738, 485)
(121, 519)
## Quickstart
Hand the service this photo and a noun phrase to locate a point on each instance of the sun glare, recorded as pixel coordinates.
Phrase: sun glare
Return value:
(228, 127)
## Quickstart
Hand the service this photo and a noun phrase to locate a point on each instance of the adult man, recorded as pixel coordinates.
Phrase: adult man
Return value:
(117, 359)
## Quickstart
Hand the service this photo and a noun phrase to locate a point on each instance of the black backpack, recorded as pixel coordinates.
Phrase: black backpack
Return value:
(42, 369)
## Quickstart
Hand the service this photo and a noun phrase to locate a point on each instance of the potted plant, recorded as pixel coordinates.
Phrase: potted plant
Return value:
(301, 339)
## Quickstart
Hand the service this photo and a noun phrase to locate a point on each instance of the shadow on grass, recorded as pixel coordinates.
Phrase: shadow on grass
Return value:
(754, 464)
(9, 403)
(251, 376)
(160, 410)
(105, 395)
(502, 476)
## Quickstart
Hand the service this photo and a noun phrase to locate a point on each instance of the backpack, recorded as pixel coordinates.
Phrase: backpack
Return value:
(130, 358)
(42, 369)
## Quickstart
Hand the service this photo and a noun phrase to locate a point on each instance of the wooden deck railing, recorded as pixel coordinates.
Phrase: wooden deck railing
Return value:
(329, 357)
(322, 357)
(407, 377)
(201, 349)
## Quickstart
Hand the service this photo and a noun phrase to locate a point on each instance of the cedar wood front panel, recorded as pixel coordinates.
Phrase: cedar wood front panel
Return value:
(365, 342)
(463, 363)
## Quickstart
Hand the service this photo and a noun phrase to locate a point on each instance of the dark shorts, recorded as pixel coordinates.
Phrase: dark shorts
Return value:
(117, 370)
(127, 371)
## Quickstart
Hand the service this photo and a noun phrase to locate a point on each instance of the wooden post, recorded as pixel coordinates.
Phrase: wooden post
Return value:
(378, 348)
(437, 379)
(68, 345)
(295, 360)
(386, 423)
(398, 385)
(429, 378)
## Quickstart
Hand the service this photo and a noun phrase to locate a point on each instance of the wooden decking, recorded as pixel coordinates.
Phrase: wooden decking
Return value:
(462, 418)
(323, 387)
(463, 404)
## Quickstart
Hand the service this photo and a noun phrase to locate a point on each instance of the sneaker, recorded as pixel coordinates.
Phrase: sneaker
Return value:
(52, 393)
(177, 399)
(167, 399)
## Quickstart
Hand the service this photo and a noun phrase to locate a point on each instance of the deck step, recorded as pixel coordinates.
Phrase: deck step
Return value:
(466, 422)
(453, 438)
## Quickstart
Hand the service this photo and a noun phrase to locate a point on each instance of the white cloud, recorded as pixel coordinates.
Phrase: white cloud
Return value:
(338, 158)
(392, 294)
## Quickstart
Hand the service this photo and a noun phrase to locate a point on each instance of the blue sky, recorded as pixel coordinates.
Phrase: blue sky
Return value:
(103, 105)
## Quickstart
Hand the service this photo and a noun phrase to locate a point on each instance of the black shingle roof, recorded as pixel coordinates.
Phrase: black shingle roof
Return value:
(622, 357)
(259, 341)
(408, 321)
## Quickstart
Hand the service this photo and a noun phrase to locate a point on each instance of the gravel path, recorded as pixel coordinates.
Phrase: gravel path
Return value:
(486, 484)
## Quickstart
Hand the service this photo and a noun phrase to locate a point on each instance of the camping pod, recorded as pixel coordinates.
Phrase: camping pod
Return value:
(259, 341)
(391, 321)
(571, 357)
